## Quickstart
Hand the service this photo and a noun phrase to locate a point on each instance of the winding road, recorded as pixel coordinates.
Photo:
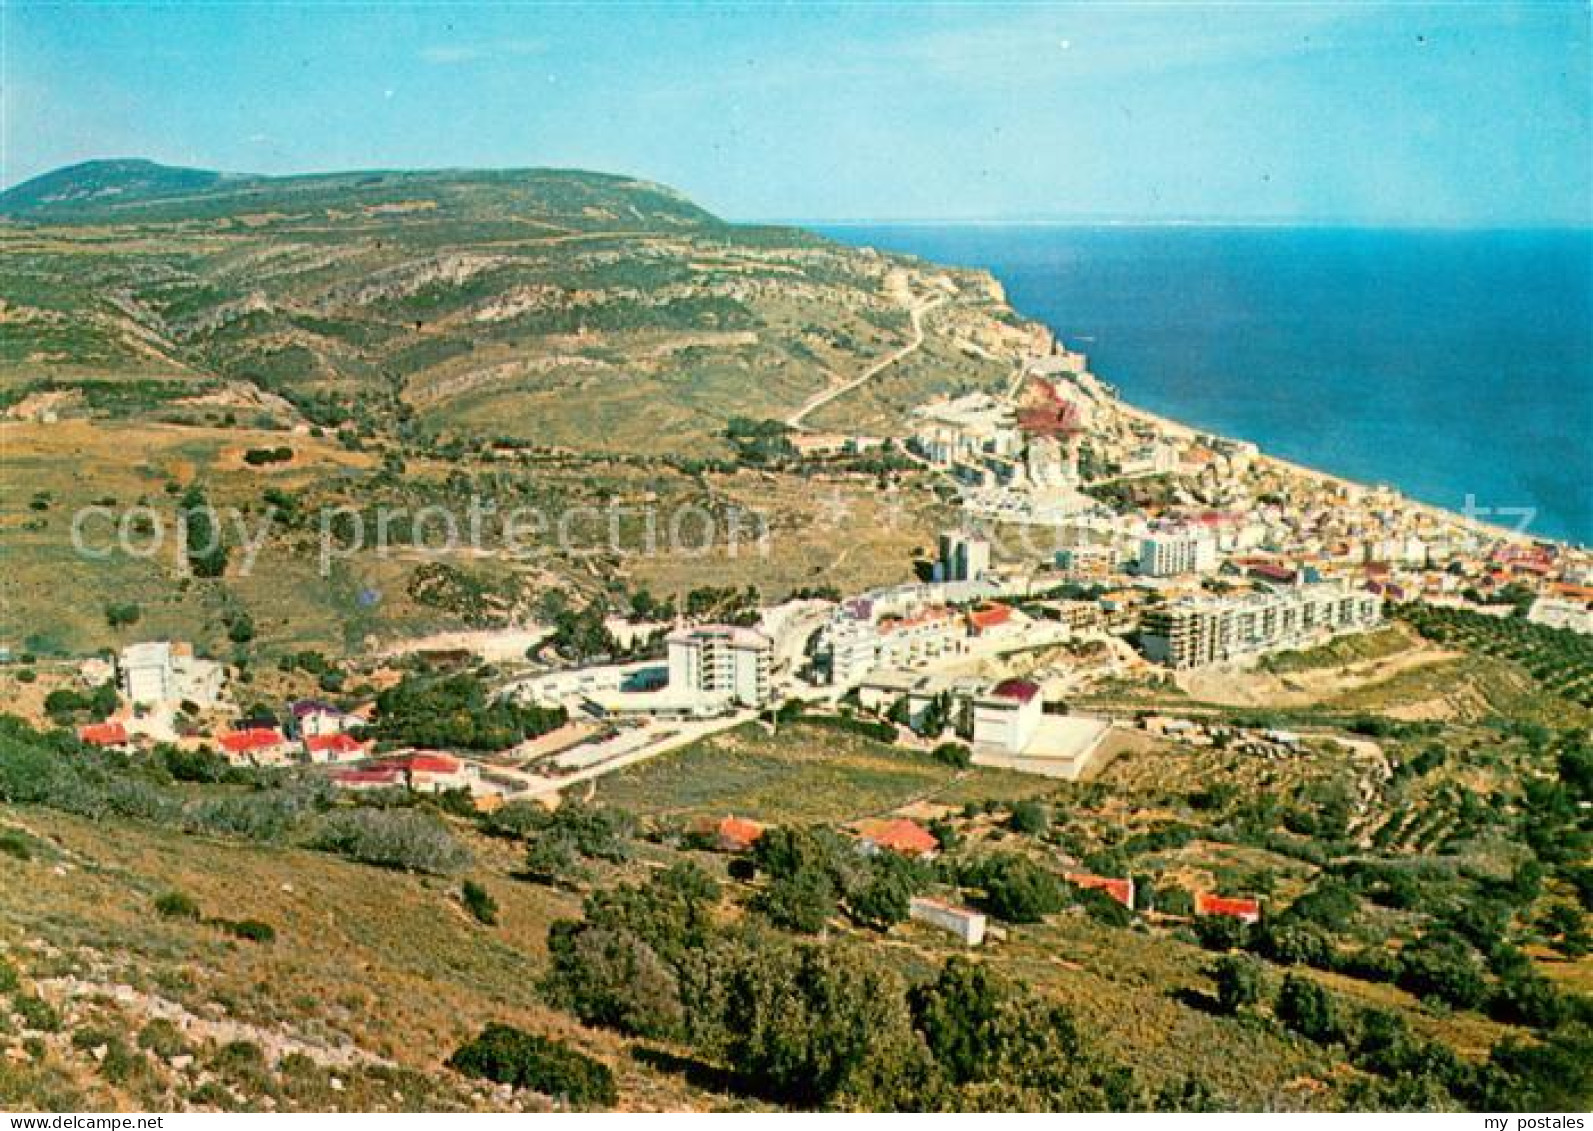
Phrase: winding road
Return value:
(819, 400)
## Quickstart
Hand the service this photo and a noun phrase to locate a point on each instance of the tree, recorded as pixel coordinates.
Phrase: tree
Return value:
(804, 901)
(1567, 930)
(885, 898)
(1017, 889)
(1238, 979)
(119, 616)
(1029, 818)
(1440, 965)
(506, 1055)
(610, 976)
(1001, 1047)
(813, 1026)
(1308, 1009)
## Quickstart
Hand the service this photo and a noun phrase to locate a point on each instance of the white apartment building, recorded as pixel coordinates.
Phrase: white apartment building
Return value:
(1556, 612)
(1196, 631)
(1170, 553)
(721, 661)
(858, 645)
(156, 672)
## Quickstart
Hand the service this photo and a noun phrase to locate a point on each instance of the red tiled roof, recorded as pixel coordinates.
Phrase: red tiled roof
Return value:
(338, 743)
(255, 738)
(103, 734)
(1120, 890)
(737, 833)
(989, 616)
(1020, 689)
(1234, 908)
(899, 835)
(426, 764)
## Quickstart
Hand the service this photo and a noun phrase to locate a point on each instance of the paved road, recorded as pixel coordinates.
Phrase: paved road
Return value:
(819, 400)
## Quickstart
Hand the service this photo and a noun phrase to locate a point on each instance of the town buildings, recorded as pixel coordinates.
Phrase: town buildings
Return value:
(1007, 716)
(963, 557)
(721, 663)
(1171, 553)
(1195, 631)
(159, 672)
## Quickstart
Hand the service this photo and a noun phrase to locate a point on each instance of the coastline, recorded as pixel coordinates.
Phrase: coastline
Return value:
(1436, 513)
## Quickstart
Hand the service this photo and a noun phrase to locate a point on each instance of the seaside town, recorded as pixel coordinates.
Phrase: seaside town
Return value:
(1213, 558)
(485, 630)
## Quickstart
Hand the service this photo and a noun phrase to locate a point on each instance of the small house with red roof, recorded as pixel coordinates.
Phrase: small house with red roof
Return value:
(1120, 890)
(257, 746)
(338, 746)
(433, 773)
(1245, 910)
(896, 834)
(1006, 717)
(107, 734)
(316, 717)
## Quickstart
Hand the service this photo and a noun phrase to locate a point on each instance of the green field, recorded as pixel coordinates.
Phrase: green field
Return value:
(802, 774)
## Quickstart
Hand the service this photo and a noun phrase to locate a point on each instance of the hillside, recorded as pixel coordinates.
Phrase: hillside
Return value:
(547, 337)
(575, 308)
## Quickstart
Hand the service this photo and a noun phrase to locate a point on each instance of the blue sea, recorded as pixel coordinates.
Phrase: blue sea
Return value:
(1450, 364)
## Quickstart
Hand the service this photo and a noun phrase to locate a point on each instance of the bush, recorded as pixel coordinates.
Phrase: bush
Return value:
(177, 905)
(1308, 1009)
(1238, 979)
(251, 930)
(479, 902)
(36, 1013)
(15, 845)
(1029, 818)
(953, 754)
(391, 838)
(163, 1038)
(1017, 889)
(506, 1055)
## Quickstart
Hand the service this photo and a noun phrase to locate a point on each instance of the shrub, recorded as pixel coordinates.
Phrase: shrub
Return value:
(177, 905)
(1029, 818)
(1238, 979)
(391, 838)
(36, 1013)
(506, 1055)
(15, 845)
(163, 1038)
(479, 902)
(1017, 889)
(250, 930)
(1308, 1009)
(953, 754)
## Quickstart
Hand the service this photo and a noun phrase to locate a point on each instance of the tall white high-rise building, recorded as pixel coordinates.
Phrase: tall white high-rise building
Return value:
(1170, 553)
(721, 661)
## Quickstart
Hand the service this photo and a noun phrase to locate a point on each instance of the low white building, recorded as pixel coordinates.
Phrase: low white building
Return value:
(968, 925)
(1006, 717)
(1556, 612)
(158, 672)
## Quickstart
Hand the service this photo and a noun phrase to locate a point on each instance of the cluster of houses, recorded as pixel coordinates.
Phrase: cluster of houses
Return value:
(907, 837)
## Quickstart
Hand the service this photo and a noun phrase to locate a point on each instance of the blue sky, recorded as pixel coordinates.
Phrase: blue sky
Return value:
(1435, 114)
